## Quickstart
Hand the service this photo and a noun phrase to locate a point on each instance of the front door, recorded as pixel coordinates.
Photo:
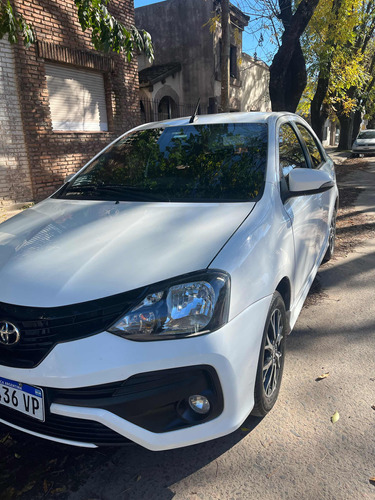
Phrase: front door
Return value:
(305, 212)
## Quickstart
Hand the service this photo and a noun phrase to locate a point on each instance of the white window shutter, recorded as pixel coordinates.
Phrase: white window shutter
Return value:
(77, 99)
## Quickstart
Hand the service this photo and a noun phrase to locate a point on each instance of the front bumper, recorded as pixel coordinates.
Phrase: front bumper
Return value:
(222, 365)
(364, 149)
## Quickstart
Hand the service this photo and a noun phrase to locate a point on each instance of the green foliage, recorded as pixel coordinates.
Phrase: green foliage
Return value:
(14, 26)
(336, 46)
(107, 33)
(213, 23)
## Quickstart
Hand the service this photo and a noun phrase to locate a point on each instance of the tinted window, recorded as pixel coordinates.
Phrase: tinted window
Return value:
(221, 162)
(316, 157)
(290, 151)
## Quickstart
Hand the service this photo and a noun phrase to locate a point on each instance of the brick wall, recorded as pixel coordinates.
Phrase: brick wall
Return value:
(54, 155)
(15, 181)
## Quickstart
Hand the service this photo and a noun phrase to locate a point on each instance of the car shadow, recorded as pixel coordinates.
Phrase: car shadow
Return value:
(33, 468)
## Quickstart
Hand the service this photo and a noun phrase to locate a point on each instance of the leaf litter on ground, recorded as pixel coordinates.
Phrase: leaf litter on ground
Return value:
(335, 417)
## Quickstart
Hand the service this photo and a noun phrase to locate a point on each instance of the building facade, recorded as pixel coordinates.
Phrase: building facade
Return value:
(60, 100)
(188, 59)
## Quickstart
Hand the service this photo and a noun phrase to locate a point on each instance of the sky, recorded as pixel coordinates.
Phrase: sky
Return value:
(249, 42)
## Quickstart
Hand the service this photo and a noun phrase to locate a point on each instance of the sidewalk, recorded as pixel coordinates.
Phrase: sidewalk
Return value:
(338, 156)
(8, 211)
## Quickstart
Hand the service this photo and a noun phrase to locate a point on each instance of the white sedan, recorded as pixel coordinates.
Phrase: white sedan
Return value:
(149, 298)
(364, 143)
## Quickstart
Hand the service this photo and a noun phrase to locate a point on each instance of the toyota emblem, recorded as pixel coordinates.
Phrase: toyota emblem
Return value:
(9, 333)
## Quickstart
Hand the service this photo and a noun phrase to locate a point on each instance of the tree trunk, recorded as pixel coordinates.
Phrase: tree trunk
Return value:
(346, 130)
(296, 78)
(288, 83)
(356, 124)
(319, 113)
(225, 56)
(288, 69)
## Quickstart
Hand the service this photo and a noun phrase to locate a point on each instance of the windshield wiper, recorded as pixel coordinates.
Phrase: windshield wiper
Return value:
(120, 193)
(80, 188)
(131, 193)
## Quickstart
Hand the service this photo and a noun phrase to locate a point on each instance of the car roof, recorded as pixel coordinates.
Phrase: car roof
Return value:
(237, 117)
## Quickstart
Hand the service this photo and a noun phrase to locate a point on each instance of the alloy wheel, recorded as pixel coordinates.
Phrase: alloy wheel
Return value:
(273, 353)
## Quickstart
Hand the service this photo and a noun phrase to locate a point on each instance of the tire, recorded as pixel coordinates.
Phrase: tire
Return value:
(332, 237)
(271, 358)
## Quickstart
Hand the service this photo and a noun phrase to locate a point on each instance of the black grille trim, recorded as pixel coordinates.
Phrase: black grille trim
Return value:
(70, 429)
(152, 399)
(42, 328)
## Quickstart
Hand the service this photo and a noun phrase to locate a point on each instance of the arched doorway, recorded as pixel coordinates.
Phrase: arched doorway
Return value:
(167, 108)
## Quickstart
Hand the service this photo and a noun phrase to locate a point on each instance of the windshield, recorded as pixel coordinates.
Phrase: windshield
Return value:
(201, 163)
(366, 134)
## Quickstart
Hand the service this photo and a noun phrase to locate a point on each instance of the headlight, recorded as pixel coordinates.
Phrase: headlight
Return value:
(192, 305)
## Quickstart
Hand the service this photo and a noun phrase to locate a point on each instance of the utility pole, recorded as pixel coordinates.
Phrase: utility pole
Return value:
(225, 55)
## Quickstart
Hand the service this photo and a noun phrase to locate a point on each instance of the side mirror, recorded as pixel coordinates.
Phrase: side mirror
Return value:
(305, 181)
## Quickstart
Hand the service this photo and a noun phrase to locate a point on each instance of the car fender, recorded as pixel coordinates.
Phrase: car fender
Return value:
(259, 254)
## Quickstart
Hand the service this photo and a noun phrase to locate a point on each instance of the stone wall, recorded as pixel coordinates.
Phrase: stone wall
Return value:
(255, 76)
(180, 33)
(54, 155)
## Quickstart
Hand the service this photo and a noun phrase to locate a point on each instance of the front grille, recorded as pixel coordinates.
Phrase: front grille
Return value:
(71, 429)
(42, 328)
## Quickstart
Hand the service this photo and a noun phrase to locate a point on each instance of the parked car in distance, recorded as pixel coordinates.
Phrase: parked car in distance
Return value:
(150, 297)
(364, 143)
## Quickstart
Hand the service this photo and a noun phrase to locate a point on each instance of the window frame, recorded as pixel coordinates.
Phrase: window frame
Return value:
(233, 64)
(283, 180)
(304, 151)
(323, 157)
(292, 121)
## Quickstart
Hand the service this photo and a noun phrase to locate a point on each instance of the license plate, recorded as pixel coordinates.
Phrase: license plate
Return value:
(22, 397)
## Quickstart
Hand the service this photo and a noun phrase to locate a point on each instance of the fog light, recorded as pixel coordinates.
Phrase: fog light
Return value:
(199, 404)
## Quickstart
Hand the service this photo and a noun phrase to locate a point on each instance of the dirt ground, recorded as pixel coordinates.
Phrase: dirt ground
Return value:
(353, 228)
(33, 469)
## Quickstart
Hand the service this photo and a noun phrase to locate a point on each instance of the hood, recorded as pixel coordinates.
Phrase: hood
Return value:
(62, 252)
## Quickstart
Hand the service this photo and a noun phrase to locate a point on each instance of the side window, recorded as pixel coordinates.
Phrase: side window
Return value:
(315, 155)
(291, 154)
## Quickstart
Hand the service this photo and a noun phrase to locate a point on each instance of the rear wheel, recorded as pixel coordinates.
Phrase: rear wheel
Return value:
(332, 238)
(271, 358)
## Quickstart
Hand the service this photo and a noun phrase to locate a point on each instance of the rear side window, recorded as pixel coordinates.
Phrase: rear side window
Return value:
(315, 155)
(291, 154)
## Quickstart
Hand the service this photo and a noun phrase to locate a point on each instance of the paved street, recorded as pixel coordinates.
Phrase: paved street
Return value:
(296, 452)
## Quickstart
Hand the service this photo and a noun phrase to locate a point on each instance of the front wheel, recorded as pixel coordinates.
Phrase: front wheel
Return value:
(271, 358)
